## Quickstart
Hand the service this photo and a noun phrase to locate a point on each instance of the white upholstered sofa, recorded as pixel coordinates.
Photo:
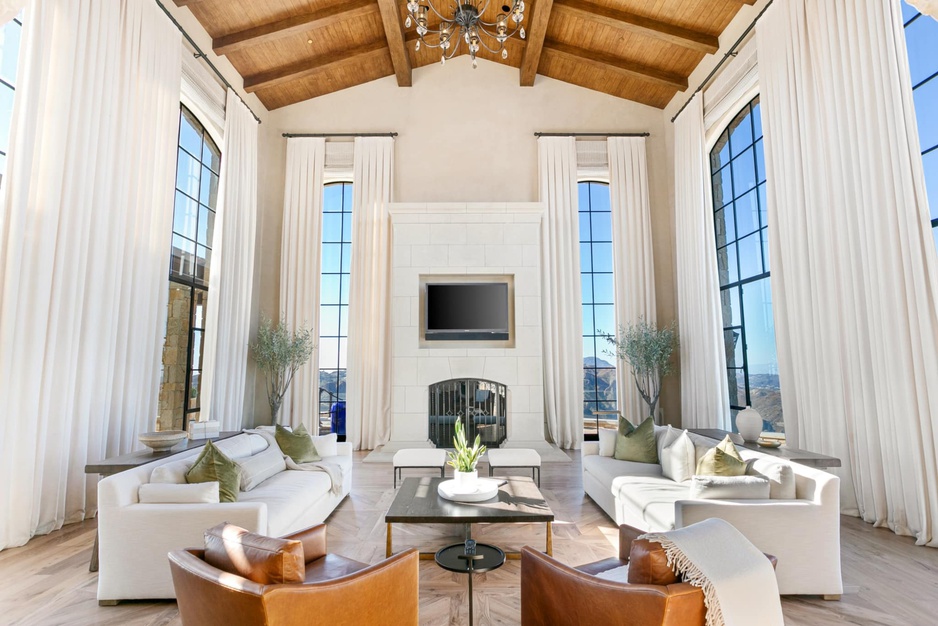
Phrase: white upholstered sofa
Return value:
(134, 538)
(804, 532)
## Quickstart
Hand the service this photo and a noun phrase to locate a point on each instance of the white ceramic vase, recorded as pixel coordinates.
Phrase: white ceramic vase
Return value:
(466, 482)
(749, 424)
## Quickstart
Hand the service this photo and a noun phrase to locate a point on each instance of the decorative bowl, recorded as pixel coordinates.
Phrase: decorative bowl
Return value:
(769, 443)
(162, 440)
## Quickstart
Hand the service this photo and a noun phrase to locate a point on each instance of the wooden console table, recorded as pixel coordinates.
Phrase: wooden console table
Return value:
(812, 459)
(131, 460)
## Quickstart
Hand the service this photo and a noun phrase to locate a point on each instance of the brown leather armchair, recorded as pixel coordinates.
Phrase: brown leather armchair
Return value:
(553, 593)
(336, 590)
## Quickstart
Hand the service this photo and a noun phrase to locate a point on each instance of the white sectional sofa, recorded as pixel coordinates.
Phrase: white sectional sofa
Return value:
(134, 538)
(804, 532)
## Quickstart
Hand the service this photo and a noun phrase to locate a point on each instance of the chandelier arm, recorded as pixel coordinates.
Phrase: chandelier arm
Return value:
(501, 46)
(455, 48)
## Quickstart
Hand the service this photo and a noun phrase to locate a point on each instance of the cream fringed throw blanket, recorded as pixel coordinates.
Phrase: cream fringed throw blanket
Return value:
(333, 470)
(737, 580)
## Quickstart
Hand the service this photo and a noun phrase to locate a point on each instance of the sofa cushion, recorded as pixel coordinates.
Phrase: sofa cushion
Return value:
(607, 441)
(722, 460)
(172, 473)
(264, 560)
(606, 469)
(616, 574)
(169, 493)
(288, 495)
(213, 465)
(651, 497)
(297, 445)
(637, 444)
(678, 458)
(326, 445)
(257, 468)
(729, 488)
(665, 436)
(780, 475)
(241, 446)
(648, 564)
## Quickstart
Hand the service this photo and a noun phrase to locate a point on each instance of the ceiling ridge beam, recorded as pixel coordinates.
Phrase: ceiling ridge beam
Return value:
(273, 31)
(316, 65)
(619, 66)
(394, 33)
(622, 20)
(535, 44)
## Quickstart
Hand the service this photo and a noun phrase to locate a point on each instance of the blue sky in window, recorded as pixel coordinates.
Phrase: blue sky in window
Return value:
(921, 34)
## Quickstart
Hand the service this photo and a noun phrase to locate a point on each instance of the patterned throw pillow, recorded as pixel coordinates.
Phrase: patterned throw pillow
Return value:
(636, 444)
(297, 445)
(213, 466)
(723, 460)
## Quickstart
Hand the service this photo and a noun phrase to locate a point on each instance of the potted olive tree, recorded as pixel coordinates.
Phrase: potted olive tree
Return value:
(464, 459)
(647, 349)
(279, 354)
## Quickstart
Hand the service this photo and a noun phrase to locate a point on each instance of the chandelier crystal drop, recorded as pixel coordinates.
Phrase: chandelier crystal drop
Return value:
(466, 23)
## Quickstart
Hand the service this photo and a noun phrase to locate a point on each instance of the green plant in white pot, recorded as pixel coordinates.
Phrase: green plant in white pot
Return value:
(279, 354)
(464, 459)
(647, 349)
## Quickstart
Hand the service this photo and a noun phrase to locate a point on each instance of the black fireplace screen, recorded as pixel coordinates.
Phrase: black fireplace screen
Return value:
(482, 405)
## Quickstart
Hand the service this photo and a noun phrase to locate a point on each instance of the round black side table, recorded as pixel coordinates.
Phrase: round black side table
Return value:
(468, 558)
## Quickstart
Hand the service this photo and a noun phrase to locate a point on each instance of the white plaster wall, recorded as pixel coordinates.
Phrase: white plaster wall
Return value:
(466, 238)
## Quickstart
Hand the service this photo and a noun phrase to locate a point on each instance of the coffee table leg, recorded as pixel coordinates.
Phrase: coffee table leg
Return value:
(387, 552)
(550, 541)
(470, 591)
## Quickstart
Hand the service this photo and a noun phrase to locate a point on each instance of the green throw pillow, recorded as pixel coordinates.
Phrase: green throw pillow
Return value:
(636, 444)
(297, 445)
(723, 460)
(213, 466)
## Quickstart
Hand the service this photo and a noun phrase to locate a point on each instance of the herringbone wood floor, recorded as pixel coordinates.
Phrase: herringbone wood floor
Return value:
(47, 581)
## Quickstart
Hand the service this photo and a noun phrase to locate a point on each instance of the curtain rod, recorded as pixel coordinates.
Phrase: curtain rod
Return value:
(592, 134)
(289, 135)
(201, 55)
(730, 53)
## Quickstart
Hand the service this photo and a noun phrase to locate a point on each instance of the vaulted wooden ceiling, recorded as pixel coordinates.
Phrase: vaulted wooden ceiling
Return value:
(293, 50)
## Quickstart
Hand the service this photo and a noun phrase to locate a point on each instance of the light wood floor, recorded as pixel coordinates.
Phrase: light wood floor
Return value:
(47, 581)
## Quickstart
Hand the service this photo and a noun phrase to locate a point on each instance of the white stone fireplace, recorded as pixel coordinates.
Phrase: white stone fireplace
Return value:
(466, 239)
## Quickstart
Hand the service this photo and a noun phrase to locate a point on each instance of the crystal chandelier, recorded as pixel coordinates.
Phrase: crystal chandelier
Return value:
(467, 20)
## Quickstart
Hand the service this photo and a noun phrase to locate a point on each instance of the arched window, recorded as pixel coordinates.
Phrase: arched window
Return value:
(10, 34)
(333, 307)
(599, 312)
(921, 37)
(198, 163)
(738, 177)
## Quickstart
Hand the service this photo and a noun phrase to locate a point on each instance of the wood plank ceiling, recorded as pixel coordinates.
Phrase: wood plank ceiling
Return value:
(293, 50)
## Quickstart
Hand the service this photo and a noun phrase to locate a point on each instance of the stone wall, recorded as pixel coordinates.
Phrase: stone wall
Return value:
(173, 382)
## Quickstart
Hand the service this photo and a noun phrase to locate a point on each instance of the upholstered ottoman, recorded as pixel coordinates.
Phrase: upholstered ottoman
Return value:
(414, 458)
(506, 458)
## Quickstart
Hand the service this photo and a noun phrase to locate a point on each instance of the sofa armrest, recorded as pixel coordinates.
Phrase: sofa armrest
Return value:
(314, 541)
(590, 448)
(344, 448)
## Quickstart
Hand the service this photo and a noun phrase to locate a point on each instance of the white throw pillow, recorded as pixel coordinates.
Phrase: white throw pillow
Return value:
(171, 473)
(780, 475)
(261, 466)
(677, 458)
(729, 488)
(607, 441)
(617, 574)
(168, 493)
(327, 445)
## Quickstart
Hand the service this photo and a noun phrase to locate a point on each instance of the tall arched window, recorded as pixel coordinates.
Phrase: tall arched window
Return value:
(921, 37)
(333, 307)
(738, 168)
(599, 311)
(198, 163)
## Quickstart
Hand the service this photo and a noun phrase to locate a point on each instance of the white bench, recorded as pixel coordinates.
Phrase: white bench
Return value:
(505, 458)
(414, 458)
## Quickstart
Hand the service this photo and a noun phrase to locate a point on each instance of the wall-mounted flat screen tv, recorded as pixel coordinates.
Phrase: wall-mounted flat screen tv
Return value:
(467, 311)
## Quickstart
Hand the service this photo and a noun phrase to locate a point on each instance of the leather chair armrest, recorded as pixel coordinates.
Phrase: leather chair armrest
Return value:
(314, 541)
(627, 535)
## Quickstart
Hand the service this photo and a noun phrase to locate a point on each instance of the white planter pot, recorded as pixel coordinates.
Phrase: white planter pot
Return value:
(749, 424)
(466, 481)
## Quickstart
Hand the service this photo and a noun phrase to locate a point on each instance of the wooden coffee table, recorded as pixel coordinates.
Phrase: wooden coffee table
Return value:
(518, 502)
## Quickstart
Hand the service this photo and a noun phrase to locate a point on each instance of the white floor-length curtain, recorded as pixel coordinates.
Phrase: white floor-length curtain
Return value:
(231, 283)
(368, 385)
(84, 251)
(300, 269)
(704, 391)
(561, 300)
(632, 255)
(854, 268)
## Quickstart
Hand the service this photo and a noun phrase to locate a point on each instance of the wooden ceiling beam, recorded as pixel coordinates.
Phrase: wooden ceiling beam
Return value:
(394, 32)
(622, 20)
(318, 65)
(609, 63)
(293, 25)
(535, 43)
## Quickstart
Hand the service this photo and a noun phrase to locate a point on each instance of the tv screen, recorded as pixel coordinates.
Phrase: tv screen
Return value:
(467, 311)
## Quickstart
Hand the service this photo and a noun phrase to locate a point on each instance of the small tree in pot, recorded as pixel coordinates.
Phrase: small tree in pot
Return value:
(464, 459)
(279, 354)
(647, 349)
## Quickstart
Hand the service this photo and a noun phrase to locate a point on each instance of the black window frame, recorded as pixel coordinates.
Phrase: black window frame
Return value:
(12, 87)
